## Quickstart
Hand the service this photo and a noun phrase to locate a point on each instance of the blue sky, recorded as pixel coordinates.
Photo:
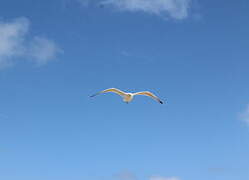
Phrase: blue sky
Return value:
(193, 54)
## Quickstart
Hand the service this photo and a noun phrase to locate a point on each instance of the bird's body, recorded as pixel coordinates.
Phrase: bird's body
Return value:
(127, 97)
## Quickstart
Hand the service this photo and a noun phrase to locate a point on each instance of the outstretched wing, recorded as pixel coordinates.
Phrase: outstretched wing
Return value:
(114, 90)
(147, 93)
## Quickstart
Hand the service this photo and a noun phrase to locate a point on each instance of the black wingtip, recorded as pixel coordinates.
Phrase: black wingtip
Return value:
(92, 95)
(160, 102)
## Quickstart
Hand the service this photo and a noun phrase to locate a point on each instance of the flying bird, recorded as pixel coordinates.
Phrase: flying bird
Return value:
(127, 97)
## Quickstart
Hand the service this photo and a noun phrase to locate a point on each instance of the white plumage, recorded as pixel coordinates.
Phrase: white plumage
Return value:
(127, 97)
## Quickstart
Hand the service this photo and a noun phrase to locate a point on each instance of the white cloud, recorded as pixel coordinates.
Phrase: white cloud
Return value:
(11, 40)
(15, 44)
(245, 115)
(177, 9)
(163, 178)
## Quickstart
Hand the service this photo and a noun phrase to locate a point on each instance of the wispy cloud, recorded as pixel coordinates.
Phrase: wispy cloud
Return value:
(16, 44)
(42, 50)
(3, 116)
(163, 178)
(177, 9)
(245, 115)
(84, 2)
(126, 175)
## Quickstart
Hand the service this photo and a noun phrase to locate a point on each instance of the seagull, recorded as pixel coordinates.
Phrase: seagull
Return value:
(127, 97)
